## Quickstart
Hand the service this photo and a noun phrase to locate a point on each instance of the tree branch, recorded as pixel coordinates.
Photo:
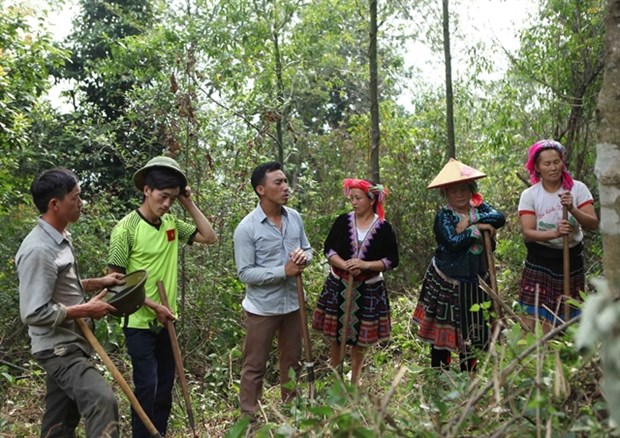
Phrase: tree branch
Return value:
(507, 371)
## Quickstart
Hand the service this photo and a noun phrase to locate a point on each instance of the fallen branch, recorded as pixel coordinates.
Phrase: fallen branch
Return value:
(507, 371)
(502, 430)
(388, 395)
(496, 298)
(12, 365)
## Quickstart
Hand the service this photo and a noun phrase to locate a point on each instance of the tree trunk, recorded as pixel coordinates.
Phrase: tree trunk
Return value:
(279, 97)
(449, 94)
(608, 150)
(607, 171)
(375, 134)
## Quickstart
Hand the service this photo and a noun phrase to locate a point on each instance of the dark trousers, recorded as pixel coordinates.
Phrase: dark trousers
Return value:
(153, 377)
(75, 389)
(260, 331)
(442, 359)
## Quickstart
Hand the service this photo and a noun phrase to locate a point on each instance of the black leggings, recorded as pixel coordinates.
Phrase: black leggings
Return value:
(442, 359)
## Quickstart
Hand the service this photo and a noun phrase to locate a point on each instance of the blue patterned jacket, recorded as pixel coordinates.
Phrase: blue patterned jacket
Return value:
(461, 256)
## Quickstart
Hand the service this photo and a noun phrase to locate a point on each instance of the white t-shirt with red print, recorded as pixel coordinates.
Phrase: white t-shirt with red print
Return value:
(548, 210)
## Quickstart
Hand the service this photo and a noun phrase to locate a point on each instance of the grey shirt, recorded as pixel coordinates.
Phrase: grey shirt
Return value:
(261, 253)
(48, 282)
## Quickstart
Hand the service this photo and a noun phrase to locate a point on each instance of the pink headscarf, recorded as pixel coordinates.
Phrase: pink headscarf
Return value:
(535, 150)
(374, 191)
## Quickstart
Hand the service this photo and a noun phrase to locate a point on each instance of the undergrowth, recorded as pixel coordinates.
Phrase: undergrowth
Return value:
(548, 391)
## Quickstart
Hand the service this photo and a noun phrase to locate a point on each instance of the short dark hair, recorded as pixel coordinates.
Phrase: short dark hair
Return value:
(52, 183)
(259, 173)
(161, 178)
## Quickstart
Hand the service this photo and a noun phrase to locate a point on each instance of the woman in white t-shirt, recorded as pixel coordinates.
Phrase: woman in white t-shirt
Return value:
(540, 215)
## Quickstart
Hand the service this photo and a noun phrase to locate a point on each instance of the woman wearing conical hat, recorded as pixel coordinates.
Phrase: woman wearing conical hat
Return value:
(450, 288)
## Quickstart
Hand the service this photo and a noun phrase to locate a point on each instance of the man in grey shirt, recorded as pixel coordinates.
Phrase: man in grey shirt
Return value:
(51, 297)
(271, 249)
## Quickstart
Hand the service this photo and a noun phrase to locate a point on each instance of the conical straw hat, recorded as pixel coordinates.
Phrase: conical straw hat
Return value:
(454, 171)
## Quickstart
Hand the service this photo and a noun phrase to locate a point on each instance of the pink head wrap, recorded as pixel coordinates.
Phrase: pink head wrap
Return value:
(535, 150)
(374, 191)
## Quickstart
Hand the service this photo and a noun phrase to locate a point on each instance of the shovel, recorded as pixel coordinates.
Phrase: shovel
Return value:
(306, 336)
(345, 326)
(135, 404)
(178, 361)
(566, 268)
(492, 273)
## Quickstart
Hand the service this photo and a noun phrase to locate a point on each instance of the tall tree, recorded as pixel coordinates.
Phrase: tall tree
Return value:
(449, 92)
(375, 133)
(99, 136)
(99, 25)
(309, 86)
(561, 64)
(608, 149)
(601, 311)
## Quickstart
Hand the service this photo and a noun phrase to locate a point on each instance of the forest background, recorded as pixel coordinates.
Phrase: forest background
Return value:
(224, 85)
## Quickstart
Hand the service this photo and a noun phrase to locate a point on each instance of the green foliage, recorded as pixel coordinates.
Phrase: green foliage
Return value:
(105, 136)
(551, 388)
(98, 27)
(201, 83)
(17, 225)
(558, 73)
(26, 56)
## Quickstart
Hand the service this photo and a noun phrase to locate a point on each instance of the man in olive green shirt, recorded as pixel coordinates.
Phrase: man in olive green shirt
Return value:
(51, 297)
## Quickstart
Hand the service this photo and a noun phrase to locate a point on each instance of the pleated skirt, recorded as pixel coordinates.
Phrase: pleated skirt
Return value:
(369, 321)
(449, 313)
(543, 274)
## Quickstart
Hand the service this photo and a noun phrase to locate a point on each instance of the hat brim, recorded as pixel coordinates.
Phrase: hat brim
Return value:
(455, 172)
(139, 177)
(439, 185)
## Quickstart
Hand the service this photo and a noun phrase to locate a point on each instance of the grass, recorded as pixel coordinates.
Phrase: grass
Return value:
(523, 386)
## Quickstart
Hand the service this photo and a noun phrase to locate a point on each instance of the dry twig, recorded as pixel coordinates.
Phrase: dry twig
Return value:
(509, 369)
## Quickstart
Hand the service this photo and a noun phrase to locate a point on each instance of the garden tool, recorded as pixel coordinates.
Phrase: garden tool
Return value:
(306, 336)
(566, 268)
(178, 361)
(135, 404)
(345, 325)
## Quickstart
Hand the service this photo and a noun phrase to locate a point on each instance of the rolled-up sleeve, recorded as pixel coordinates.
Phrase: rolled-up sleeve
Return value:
(305, 243)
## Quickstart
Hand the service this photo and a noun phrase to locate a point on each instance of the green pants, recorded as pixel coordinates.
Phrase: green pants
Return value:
(76, 389)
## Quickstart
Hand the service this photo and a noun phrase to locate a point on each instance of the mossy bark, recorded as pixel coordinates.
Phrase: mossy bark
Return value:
(595, 324)
(608, 150)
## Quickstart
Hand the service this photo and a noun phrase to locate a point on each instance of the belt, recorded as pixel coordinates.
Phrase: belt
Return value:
(57, 351)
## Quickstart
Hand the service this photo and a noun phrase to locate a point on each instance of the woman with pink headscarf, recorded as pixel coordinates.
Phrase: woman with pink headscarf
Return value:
(360, 243)
(540, 215)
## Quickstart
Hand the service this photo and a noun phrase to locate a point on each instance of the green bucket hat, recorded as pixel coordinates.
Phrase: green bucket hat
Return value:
(139, 178)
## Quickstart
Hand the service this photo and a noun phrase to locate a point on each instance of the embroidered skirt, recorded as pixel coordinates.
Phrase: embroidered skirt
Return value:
(369, 321)
(544, 269)
(444, 313)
